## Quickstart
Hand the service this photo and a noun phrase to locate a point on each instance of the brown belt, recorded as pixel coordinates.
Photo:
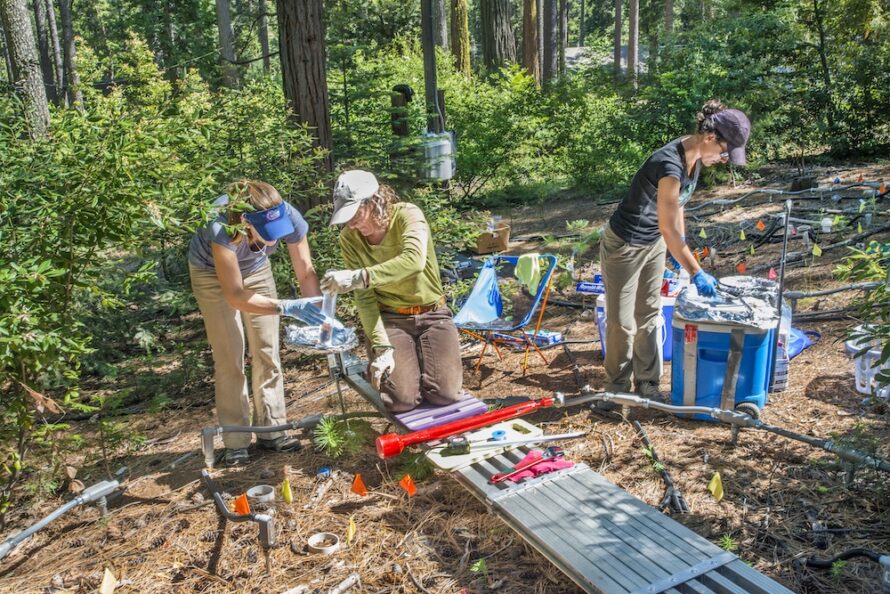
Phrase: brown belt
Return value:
(414, 310)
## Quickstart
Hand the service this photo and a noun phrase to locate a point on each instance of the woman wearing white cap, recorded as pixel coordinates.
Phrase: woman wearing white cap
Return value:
(389, 249)
(648, 220)
(232, 281)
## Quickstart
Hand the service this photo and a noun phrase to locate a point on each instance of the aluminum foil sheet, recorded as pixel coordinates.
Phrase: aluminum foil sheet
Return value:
(740, 300)
(305, 338)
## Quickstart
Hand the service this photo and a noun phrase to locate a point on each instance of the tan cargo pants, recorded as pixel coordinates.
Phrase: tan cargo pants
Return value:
(632, 275)
(226, 329)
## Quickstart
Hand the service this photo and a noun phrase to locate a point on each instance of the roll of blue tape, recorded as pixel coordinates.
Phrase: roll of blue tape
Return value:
(499, 435)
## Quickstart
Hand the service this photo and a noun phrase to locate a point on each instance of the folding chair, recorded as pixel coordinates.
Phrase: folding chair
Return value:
(498, 306)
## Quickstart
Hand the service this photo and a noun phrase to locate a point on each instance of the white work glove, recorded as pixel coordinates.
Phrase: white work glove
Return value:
(383, 365)
(343, 281)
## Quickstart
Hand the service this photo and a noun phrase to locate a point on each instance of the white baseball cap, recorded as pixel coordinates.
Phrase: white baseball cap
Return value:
(353, 188)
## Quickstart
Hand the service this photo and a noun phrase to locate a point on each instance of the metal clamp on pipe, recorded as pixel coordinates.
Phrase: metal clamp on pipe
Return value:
(266, 523)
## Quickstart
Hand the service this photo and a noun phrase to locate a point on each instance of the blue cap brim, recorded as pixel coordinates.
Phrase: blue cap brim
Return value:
(271, 230)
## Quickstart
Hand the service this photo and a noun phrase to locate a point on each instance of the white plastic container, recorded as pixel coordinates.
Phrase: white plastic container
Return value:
(329, 310)
(863, 366)
(438, 153)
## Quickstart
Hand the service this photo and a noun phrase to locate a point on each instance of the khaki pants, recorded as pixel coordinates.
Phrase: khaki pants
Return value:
(226, 328)
(428, 363)
(632, 275)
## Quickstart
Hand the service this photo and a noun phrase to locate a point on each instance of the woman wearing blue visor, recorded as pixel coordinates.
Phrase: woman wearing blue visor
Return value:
(232, 281)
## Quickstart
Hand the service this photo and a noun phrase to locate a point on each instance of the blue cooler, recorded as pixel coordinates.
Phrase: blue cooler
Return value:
(667, 312)
(703, 351)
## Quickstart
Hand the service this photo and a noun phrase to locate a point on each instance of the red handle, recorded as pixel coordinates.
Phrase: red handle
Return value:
(502, 476)
(392, 444)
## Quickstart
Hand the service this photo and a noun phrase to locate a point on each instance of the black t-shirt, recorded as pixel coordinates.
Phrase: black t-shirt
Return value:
(636, 218)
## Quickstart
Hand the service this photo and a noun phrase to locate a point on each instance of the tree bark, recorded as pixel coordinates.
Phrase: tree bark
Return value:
(6, 60)
(26, 74)
(43, 45)
(581, 26)
(819, 19)
(540, 7)
(633, 40)
(563, 35)
(440, 24)
(72, 84)
(57, 52)
(264, 35)
(616, 40)
(460, 36)
(498, 43)
(303, 55)
(551, 37)
(430, 81)
(228, 68)
(668, 16)
(530, 40)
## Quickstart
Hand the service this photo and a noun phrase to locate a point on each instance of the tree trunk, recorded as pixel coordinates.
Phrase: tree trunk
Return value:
(616, 54)
(6, 60)
(460, 36)
(440, 24)
(228, 68)
(498, 43)
(26, 74)
(563, 35)
(530, 40)
(303, 55)
(581, 26)
(551, 37)
(264, 36)
(540, 6)
(57, 52)
(430, 81)
(668, 16)
(819, 19)
(633, 40)
(43, 43)
(72, 85)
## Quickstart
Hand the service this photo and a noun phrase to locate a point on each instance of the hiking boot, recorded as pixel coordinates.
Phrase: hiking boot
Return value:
(649, 390)
(284, 443)
(236, 457)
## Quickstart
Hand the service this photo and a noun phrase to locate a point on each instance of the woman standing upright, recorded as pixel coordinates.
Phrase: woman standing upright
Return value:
(632, 249)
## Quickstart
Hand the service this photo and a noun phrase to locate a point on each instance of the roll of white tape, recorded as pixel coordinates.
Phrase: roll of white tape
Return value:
(325, 543)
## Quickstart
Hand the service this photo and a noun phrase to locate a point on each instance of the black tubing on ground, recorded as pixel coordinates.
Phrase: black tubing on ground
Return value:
(848, 554)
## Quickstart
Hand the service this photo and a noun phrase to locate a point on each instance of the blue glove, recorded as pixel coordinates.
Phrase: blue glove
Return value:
(673, 262)
(705, 283)
(304, 310)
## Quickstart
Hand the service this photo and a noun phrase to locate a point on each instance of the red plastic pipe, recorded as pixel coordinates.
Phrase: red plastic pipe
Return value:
(393, 444)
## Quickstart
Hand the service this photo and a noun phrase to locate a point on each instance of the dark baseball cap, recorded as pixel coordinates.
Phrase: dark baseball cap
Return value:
(271, 224)
(734, 127)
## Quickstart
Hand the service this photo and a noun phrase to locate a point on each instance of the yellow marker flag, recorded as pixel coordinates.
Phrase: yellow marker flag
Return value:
(752, 249)
(817, 251)
(859, 227)
(350, 530)
(286, 493)
(742, 236)
(716, 486)
(702, 233)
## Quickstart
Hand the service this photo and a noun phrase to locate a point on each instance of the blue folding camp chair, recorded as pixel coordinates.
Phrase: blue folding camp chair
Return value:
(499, 306)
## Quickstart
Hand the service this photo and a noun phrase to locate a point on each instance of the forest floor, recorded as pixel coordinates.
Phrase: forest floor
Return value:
(163, 533)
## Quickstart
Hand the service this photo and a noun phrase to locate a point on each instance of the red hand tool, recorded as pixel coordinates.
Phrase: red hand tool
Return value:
(549, 454)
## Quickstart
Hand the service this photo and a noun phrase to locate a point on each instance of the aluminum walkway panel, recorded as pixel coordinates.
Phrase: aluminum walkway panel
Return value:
(606, 540)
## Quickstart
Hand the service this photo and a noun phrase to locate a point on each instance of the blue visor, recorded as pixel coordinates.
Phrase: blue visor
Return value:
(271, 224)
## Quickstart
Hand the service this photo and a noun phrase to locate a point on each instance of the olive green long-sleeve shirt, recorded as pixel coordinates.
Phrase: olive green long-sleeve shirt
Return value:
(402, 270)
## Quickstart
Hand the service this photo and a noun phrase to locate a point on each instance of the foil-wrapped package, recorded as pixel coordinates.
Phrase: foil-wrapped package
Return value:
(740, 300)
(306, 338)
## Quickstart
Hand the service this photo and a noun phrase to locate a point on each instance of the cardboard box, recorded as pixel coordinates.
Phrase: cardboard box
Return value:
(493, 241)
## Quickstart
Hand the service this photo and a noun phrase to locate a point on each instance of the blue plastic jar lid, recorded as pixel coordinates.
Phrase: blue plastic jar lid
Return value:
(499, 435)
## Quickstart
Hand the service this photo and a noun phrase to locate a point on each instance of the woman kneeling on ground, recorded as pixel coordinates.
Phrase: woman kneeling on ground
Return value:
(414, 348)
(232, 281)
(648, 220)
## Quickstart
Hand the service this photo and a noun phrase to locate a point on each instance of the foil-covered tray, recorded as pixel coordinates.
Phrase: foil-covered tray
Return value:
(305, 338)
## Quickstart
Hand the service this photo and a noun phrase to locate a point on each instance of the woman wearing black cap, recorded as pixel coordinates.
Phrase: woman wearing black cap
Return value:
(232, 281)
(648, 220)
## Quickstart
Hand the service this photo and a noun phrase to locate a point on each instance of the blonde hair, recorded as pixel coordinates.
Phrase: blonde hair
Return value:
(249, 195)
(381, 205)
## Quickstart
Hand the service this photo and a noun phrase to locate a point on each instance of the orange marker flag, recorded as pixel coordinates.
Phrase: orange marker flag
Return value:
(861, 178)
(705, 252)
(760, 225)
(882, 189)
(358, 485)
(697, 256)
(407, 483)
(741, 267)
(242, 507)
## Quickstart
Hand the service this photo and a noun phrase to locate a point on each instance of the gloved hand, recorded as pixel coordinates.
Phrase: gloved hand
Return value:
(342, 281)
(304, 310)
(672, 261)
(705, 283)
(383, 365)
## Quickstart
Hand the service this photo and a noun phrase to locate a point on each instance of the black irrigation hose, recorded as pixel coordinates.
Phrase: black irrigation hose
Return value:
(848, 554)
(673, 499)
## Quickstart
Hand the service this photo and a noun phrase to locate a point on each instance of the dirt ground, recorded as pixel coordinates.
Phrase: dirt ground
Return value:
(163, 533)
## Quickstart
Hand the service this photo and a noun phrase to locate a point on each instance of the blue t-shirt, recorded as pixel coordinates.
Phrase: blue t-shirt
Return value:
(636, 218)
(249, 261)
